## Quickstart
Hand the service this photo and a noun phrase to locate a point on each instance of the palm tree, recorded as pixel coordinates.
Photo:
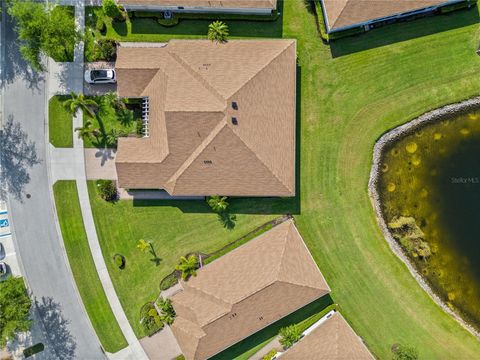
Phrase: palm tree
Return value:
(125, 116)
(188, 266)
(167, 311)
(112, 137)
(79, 101)
(218, 31)
(218, 203)
(111, 98)
(143, 245)
(86, 131)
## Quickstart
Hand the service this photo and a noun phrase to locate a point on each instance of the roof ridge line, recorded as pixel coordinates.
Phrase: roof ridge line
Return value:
(221, 124)
(151, 80)
(197, 77)
(263, 67)
(282, 255)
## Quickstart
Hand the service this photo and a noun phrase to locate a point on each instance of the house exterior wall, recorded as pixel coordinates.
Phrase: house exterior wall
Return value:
(200, 9)
(367, 24)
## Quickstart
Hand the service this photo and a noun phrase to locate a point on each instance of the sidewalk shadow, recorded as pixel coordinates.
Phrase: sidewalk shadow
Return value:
(59, 338)
(18, 155)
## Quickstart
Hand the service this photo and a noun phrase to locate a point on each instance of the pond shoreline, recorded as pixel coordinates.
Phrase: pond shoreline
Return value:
(386, 139)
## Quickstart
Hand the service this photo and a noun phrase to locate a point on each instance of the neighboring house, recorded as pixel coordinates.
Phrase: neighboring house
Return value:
(342, 15)
(244, 291)
(332, 340)
(253, 7)
(221, 117)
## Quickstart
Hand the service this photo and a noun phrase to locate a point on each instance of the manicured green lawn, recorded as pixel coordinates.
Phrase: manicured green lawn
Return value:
(351, 92)
(175, 228)
(59, 122)
(147, 29)
(83, 268)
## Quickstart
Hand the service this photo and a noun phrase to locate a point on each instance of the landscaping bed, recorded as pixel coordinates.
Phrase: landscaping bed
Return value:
(83, 267)
(60, 128)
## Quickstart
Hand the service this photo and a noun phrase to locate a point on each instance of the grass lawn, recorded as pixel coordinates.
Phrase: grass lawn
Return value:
(59, 123)
(147, 29)
(175, 228)
(83, 268)
(350, 93)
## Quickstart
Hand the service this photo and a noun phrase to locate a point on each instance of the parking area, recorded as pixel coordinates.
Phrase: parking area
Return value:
(98, 89)
(8, 255)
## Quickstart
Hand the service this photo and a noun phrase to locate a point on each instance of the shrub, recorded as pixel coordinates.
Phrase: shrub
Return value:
(107, 190)
(402, 352)
(105, 49)
(100, 25)
(218, 204)
(270, 354)
(119, 261)
(113, 10)
(168, 282)
(180, 357)
(188, 266)
(174, 20)
(218, 31)
(167, 312)
(150, 319)
(289, 335)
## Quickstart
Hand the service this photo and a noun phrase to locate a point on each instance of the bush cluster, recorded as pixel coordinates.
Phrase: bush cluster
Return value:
(107, 190)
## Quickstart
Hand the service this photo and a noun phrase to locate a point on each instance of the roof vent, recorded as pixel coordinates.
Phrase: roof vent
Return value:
(234, 121)
(234, 105)
(207, 161)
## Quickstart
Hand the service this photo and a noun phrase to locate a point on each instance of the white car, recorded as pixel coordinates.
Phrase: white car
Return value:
(100, 76)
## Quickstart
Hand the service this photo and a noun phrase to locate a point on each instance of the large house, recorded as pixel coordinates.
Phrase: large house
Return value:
(244, 291)
(252, 7)
(342, 15)
(221, 117)
(333, 339)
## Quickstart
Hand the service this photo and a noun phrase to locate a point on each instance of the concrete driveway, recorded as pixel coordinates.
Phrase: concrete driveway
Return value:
(99, 89)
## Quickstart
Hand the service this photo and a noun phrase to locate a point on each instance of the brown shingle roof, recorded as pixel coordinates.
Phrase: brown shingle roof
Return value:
(232, 4)
(342, 13)
(333, 340)
(194, 148)
(244, 291)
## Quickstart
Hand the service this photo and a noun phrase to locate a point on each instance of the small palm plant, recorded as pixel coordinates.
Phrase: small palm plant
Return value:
(188, 266)
(79, 101)
(143, 245)
(167, 311)
(112, 137)
(87, 131)
(218, 31)
(218, 204)
(289, 335)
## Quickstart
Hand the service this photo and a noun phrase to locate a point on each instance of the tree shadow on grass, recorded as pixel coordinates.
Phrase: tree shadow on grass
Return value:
(227, 219)
(56, 328)
(120, 28)
(404, 31)
(18, 155)
(155, 259)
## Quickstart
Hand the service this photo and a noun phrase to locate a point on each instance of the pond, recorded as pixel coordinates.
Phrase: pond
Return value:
(429, 188)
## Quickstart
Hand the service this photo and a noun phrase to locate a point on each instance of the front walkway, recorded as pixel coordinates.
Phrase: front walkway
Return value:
(69, 164)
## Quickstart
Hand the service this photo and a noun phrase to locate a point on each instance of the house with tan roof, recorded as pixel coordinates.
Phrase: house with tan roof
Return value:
(253, 7)
(333, 339)
(244, 291)
(221, 117)
(340, 15)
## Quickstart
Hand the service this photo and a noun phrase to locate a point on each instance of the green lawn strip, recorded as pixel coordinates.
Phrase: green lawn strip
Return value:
(83, 267)
(175, 228)
(304, 317)
(149, 30)
(59, 123)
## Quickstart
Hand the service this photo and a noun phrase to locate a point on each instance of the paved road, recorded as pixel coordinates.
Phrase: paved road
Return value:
(41, 251)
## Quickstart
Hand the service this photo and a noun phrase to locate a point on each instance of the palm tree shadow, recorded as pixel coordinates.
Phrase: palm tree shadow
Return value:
(227, 220)
(156, 260)
(56, 328)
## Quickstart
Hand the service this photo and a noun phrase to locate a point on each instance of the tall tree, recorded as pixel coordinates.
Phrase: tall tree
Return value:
(79, 101)
(44, 29)
(14, 309)
(218, 31)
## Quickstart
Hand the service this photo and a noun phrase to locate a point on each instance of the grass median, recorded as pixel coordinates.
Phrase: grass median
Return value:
(83, 267)
(60, 128)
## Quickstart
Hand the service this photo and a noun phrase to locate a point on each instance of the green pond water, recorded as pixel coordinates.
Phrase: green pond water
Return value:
(433, 175)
